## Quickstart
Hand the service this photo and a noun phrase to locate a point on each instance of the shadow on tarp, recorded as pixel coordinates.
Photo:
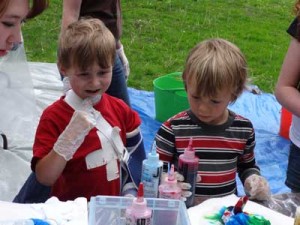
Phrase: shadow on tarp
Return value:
(264, 112)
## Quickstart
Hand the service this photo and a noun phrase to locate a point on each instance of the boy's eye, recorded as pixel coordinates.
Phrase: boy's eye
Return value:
(215, 101)
(8, 24)
(83, 74)
(101, 73)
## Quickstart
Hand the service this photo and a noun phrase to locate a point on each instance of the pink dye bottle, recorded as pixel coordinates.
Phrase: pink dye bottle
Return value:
(138, 213)
(188, 167)
(169, 187)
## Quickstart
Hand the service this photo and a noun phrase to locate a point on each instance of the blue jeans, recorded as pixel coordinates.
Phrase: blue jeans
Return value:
(293, 169)
(118, 86)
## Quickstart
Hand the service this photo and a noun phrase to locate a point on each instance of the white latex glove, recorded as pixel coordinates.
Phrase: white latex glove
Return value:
(257, 187)
(124, 60)
(185, 187)
(73, 136)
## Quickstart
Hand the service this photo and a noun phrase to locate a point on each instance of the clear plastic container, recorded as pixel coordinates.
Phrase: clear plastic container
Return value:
(111, 210)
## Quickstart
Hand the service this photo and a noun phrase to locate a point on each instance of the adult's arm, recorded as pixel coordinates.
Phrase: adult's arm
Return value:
(286, 90)
(71, 12)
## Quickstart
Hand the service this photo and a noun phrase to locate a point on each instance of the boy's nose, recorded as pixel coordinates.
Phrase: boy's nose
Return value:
(202, 108)
(95, 81)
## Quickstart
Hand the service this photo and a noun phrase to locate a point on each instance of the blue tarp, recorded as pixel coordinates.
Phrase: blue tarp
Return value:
(263, 110)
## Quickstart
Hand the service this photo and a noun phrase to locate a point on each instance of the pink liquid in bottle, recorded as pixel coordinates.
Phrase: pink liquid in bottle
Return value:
(169, 187)
(138, 213)
(188, 167)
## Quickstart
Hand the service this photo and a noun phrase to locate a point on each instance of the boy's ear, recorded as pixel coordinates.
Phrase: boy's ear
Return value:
(184, 83)
(233, 98)
(183, 77)
(61, 69)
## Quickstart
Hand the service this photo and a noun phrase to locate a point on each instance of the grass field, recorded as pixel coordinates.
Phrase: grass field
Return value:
(158, 34)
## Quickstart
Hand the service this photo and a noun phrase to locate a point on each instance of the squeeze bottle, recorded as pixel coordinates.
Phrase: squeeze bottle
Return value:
(188, 167)
(138, 213)
(169, 187)
(151, 172)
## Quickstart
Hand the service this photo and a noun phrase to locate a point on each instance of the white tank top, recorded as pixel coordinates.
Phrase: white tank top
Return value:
(295, 131)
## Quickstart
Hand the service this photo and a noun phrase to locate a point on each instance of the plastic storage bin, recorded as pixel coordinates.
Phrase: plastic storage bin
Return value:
(169, 95)
(110, 210)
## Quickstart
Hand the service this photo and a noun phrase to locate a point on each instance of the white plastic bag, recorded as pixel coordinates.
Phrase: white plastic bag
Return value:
(18, 112)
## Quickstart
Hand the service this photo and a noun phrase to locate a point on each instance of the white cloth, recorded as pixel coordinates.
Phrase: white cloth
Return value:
(211, 206)
(52, 211)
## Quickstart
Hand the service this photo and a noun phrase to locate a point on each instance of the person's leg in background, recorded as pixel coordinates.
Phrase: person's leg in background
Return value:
(293, 169)
(118, 86)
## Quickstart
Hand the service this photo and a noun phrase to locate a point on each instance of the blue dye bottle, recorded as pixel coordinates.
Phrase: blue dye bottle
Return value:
(151, 172)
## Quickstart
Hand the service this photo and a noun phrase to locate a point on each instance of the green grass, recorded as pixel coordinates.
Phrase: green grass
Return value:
(158, 34)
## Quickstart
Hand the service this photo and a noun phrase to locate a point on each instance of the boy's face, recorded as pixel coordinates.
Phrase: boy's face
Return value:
(210, 110)
(90, 82)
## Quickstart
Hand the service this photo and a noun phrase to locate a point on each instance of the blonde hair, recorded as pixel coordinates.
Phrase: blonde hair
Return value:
(214, 65)
(85, 42)
(37, 7)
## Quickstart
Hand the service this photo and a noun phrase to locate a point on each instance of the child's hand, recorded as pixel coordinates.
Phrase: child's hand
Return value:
(257, 187)
(73, 135)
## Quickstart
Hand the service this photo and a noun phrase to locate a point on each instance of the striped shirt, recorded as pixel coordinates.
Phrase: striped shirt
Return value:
(223, 150)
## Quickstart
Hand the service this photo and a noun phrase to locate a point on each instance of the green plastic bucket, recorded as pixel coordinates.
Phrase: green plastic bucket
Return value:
(170, 96)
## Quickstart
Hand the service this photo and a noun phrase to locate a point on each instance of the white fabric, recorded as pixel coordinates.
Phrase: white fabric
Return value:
(295, 131)
(53, 211)
(197, 213)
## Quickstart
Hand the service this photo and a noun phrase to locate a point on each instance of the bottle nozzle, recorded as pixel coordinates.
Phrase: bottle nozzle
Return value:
(152, 155)
(190, 148)
(153, 150)
(171, 174)
(140, 194)
(189, 152)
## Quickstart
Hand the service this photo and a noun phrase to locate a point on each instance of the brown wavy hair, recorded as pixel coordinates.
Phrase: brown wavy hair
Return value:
(36, 7)
(84, 42)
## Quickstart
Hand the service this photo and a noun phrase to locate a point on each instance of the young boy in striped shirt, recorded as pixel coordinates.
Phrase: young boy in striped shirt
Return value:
(215, 75)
